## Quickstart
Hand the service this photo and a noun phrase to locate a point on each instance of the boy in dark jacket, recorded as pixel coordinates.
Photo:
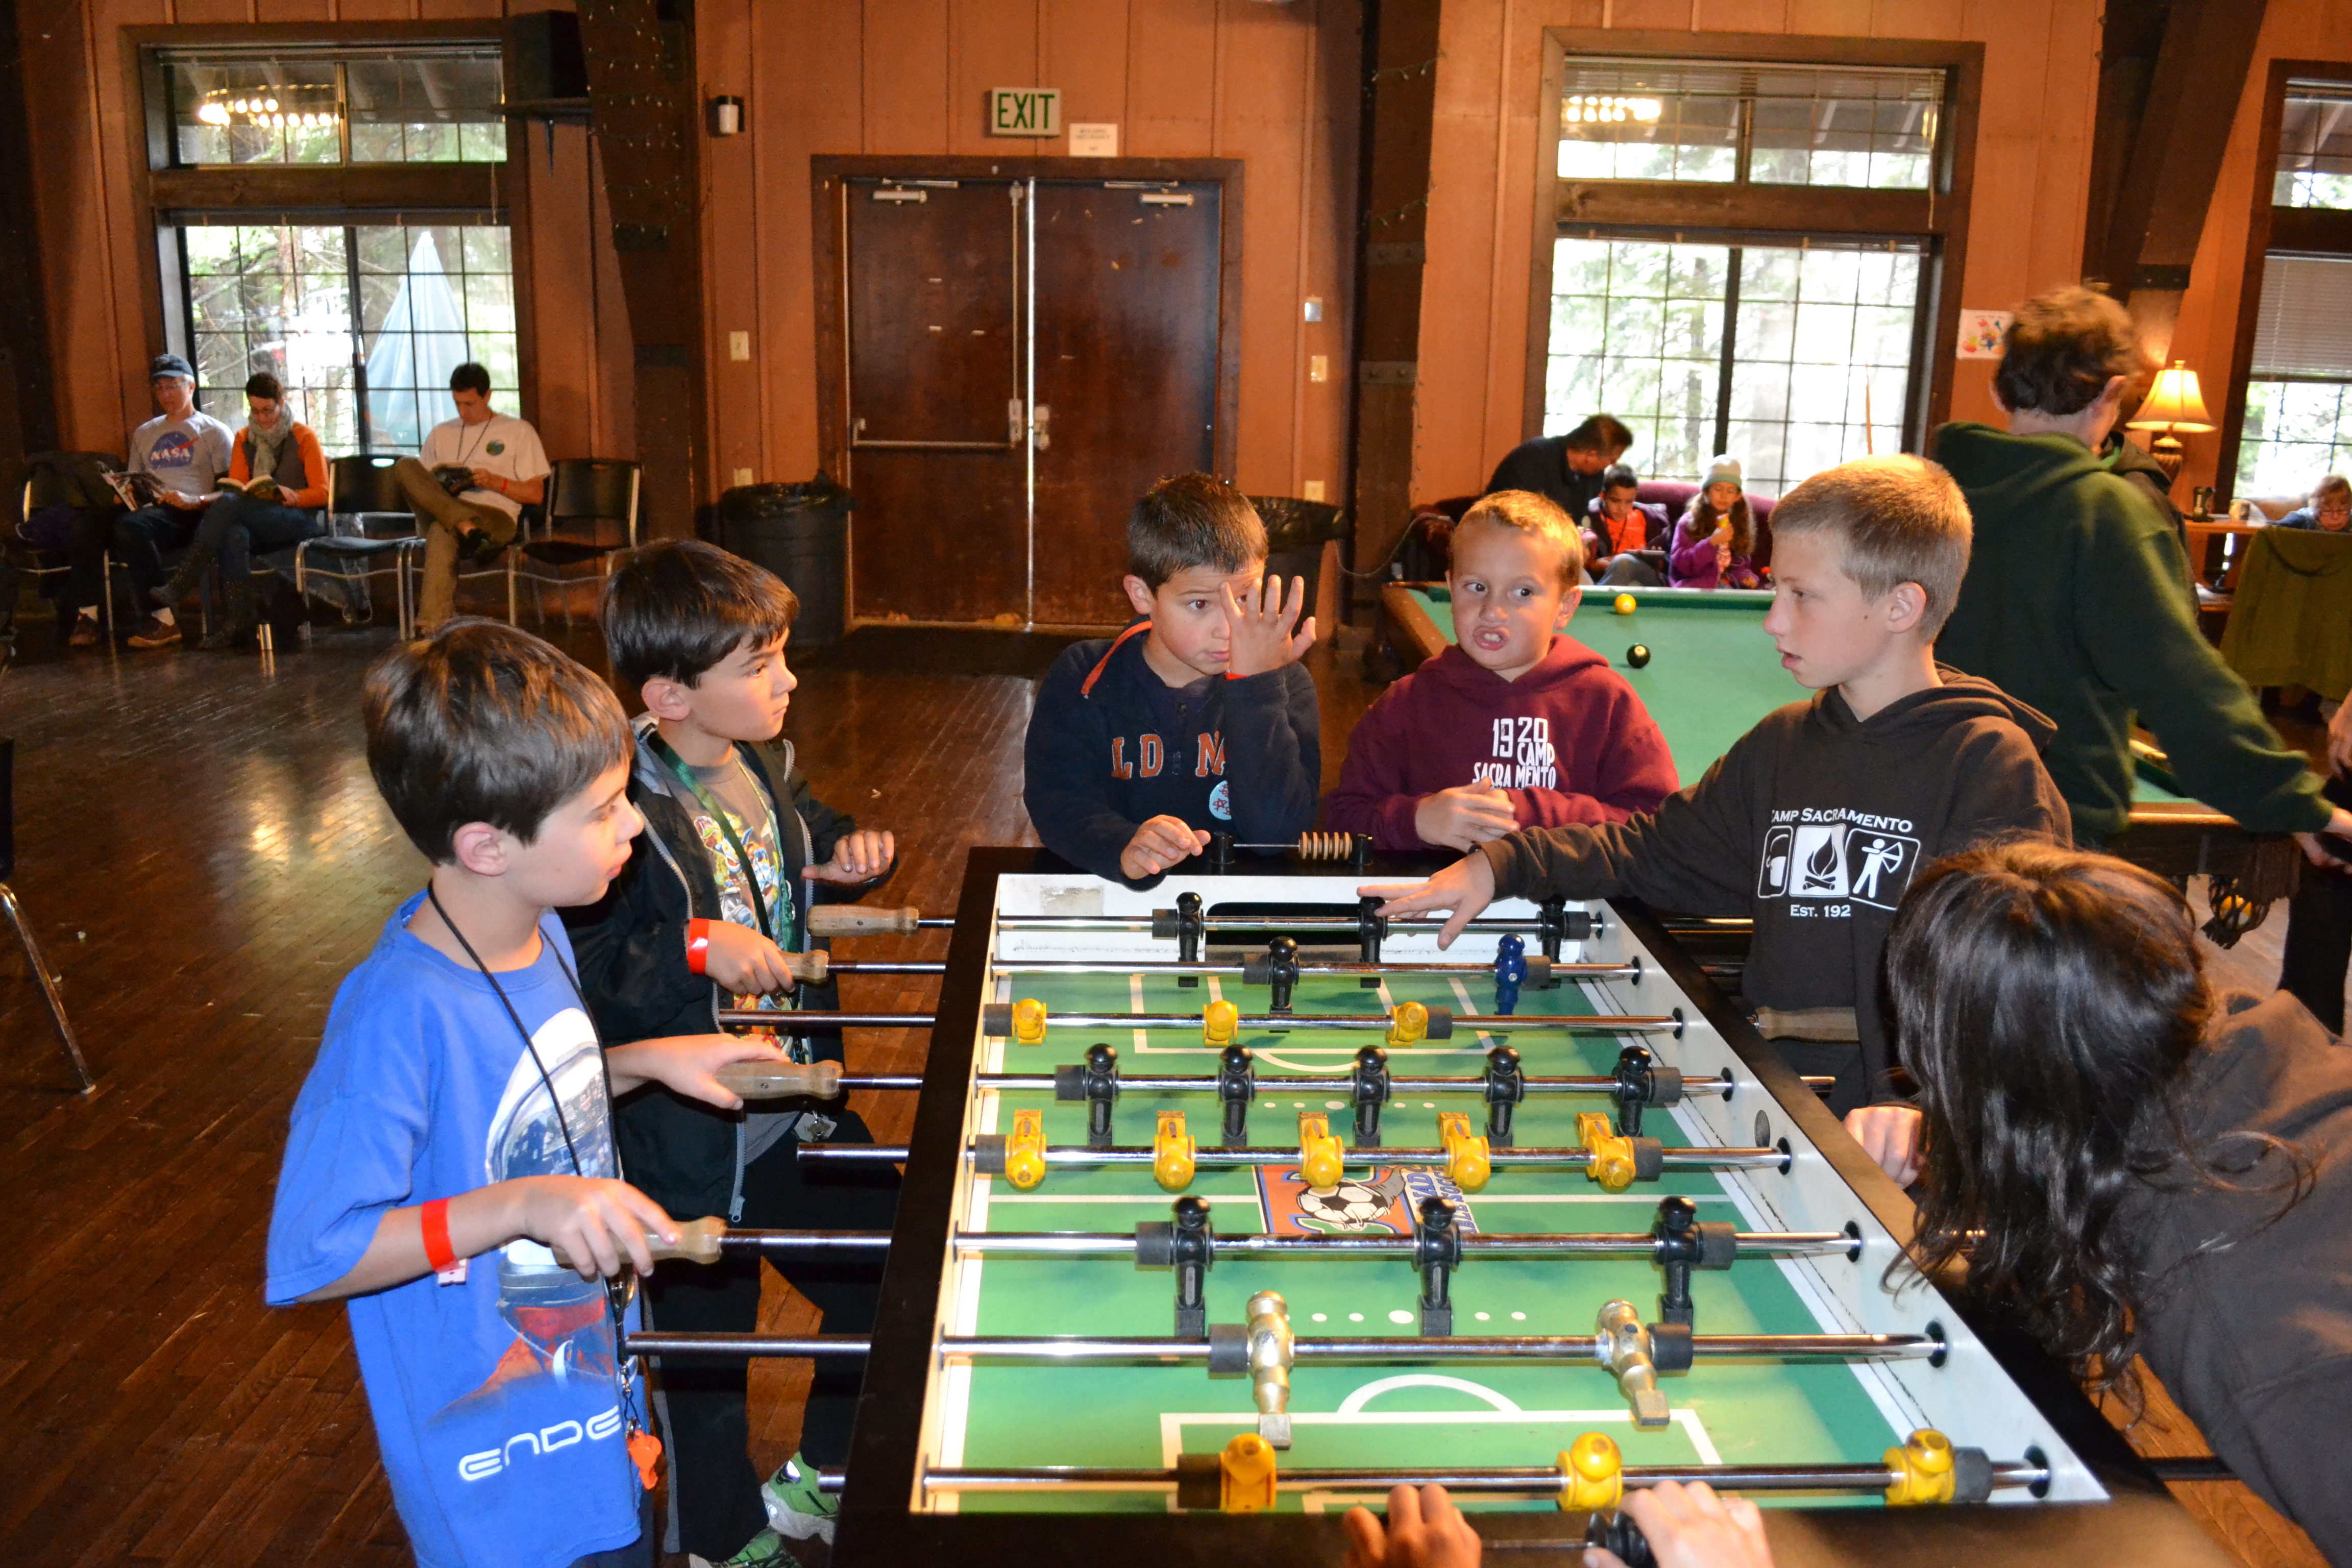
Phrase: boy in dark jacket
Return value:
(1198, 718)
(1516, 725)
(2073, 599)
(1814, 821)
(712, 899)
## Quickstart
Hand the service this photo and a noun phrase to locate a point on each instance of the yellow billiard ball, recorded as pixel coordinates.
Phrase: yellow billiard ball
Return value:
(1624, 606)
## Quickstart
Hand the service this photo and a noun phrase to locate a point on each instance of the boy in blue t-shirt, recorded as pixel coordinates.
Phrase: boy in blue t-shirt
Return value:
(451, 1171)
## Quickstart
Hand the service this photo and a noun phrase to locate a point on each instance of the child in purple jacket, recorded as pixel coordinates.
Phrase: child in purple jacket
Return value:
(1714, 544)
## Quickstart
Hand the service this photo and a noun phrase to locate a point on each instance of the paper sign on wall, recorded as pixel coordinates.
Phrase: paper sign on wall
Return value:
(1093, 140)
(1982, 331)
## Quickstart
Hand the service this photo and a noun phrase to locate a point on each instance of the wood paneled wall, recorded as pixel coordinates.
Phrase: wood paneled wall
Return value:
(1275, 86)
(2025, 234)
(97, 255)
(2206, 335)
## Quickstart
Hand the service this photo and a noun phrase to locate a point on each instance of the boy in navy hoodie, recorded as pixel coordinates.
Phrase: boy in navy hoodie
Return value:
(1813, 824)
(1516, 725)
(1198, 718)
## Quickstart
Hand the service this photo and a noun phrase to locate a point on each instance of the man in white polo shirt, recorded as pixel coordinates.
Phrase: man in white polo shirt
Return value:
(506, 471)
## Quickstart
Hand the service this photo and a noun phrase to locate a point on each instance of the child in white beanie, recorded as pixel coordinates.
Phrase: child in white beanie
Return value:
(1714, 542)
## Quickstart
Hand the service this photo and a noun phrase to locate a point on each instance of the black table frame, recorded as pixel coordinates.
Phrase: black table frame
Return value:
(2142, 1525)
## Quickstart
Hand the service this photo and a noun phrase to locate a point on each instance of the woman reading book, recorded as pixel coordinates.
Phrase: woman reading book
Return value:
(274, 496)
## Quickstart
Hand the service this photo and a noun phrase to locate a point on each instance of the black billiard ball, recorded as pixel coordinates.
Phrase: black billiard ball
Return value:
(1638, 655)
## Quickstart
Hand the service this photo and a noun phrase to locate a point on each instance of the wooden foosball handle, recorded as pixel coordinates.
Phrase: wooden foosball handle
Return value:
(776, 1080)
(698, 1242)
(808, 967)
(862, 920)
(1832, 1024)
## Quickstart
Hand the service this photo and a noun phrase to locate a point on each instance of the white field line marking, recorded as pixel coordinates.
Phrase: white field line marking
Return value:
(1461, 995)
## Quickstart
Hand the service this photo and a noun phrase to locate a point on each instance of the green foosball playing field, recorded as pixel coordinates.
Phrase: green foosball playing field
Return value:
(1493, 1413)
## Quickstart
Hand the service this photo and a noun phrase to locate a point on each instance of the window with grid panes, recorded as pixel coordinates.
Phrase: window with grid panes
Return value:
(1766, 124)
(2315, 155)
(297, 104)
(2298, 423)
(1792, 357)
(363, 322)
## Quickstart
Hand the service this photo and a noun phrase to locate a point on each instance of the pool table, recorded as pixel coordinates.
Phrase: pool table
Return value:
(1712, 676)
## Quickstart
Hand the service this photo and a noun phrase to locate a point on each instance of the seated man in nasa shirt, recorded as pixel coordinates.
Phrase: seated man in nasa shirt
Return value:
(182, 453)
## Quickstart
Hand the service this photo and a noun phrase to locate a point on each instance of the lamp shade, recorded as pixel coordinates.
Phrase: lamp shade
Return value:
(2174, 403)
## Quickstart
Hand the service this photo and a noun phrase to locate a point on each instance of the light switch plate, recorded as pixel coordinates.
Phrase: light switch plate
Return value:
(1310, 490)
(1318, 367)
(739, 345)
(743, 477)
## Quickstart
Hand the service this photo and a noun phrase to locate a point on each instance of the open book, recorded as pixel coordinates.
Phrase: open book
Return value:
(135, 491)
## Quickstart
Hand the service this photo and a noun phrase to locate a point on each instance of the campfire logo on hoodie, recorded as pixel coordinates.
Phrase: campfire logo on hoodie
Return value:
(1836, 854)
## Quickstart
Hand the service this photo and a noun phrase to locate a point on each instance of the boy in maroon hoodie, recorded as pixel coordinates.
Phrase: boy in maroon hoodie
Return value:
(1813, 824)
(1518, 725)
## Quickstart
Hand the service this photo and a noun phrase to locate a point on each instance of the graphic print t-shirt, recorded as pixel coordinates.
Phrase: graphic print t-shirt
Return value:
(753, 818)
(185, 455)
(495, 1402)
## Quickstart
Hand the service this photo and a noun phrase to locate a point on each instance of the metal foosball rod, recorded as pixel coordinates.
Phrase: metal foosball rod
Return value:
(1058, 1244)
(1381, 1351)
(1407, 1023)
(991, 1155)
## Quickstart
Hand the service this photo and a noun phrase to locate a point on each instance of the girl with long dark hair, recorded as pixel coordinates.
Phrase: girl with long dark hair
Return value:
(2136, 1167)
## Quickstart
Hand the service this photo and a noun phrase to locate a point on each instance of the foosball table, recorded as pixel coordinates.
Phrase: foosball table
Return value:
(1230, 1205)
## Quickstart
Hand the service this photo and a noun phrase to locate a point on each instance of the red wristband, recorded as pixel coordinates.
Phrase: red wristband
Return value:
(434, 1219)
(697, 944)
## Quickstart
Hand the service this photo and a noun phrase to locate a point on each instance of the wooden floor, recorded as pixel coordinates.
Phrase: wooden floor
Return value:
(204, 856)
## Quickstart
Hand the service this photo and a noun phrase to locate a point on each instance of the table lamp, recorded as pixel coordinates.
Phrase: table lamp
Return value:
(2175, 407)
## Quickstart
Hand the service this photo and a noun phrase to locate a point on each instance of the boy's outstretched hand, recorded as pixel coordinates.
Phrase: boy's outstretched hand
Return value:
(1259, 624)
(1424, 1530)
(1690, 1527)
(599, 1225)
(1465, 816)
(744, 961)
(859, 857)
(1466, 886)
(689, 1064)
(1159, 844)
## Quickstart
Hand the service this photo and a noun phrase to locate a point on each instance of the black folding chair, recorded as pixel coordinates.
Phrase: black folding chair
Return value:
(590, 515)
(16, 915)
(361, 497)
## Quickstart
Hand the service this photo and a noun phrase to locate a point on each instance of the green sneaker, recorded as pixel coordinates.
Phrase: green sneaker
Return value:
(765, 1550)
(796, 1506)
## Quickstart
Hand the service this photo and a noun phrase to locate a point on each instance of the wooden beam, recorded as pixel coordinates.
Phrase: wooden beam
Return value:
(249, 188)
(649, 131)
(28, 414)
(1689, 204)
(1392, 217)
(2168, 179)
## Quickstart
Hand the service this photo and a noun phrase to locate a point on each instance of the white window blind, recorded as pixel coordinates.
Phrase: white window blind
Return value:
(2305, 328)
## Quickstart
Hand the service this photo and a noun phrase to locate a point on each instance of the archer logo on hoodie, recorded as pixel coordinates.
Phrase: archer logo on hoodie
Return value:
(1836, 855)
(1522, 757)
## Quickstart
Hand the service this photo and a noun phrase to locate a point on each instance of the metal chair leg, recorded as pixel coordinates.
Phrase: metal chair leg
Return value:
(15, 913)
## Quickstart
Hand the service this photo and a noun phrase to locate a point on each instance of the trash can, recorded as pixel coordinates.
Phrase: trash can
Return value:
(1295, 533)
(800, 532)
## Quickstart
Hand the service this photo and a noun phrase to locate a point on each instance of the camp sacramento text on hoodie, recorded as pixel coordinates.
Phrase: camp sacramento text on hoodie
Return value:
(1568, 740)
(1813, 825)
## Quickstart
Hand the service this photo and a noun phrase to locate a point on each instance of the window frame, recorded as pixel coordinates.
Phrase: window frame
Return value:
(1937, 216)
(2307, 231)
(165, 196)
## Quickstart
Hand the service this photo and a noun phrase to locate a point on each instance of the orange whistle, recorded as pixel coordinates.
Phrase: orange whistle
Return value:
(645, 1449)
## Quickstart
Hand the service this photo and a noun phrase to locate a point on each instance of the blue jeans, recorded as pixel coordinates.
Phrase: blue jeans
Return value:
(237, 525)
(140, 539)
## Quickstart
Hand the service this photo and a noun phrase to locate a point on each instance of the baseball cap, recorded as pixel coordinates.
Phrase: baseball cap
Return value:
(169, 364)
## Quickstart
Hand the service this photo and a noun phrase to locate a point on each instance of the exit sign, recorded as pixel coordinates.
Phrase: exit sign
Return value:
(1024, 112)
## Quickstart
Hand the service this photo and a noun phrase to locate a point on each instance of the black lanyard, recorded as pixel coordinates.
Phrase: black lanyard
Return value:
(616, 1293)
(743, 857)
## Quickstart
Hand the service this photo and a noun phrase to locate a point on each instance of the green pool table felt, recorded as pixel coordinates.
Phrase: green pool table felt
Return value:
(1712, 673)
(1498, 1413)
